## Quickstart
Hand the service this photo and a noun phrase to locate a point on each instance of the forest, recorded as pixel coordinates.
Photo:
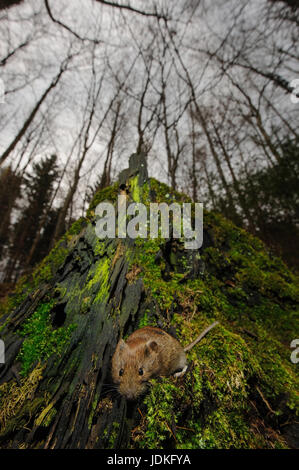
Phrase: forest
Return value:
(166, 102)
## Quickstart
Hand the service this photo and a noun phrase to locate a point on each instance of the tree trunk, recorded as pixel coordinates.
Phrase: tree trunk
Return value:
(31, 117)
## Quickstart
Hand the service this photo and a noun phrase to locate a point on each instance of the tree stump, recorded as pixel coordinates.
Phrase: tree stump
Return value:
(61, 327)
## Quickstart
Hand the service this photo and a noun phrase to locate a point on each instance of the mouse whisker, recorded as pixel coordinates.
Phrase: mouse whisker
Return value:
(111, 394)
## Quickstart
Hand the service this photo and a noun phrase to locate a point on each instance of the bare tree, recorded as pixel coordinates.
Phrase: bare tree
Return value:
(30, 118)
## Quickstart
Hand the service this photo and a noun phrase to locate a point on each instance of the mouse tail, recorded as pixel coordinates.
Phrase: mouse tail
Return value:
(200, 337)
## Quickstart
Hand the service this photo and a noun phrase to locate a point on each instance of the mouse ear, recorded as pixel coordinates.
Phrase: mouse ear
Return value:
(151, 346)
(121, 345)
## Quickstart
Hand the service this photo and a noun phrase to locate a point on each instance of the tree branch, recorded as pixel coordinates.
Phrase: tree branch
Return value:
(67, 27)
(132, 9)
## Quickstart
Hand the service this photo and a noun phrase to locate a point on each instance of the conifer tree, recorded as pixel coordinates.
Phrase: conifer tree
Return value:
(10, 190)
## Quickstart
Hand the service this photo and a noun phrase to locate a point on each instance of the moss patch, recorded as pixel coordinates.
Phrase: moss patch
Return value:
(41, 340)
(107, 194)
(242, 385)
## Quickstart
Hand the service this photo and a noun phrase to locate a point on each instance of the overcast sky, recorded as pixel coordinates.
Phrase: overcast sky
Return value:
(119, 34)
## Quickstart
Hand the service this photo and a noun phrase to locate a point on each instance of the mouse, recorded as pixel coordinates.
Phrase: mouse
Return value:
(147, 353)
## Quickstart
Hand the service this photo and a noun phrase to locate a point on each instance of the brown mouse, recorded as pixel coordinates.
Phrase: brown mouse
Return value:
(148, 352)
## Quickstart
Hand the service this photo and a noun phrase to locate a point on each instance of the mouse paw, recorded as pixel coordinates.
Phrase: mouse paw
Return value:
(181, 372)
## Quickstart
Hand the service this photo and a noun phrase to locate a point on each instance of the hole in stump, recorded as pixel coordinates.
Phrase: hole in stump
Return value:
(58, 315)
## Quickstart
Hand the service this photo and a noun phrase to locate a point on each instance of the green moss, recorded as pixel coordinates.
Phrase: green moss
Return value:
(210, 407)
(241, 372)
(135, 189)
(247, 290)
(41, 340)
(144, 321)
(163, 193)
(113, 435)
(77, 227)
(99, 278)
(44, 272)
(100, 248)
(16, 298)
(107, 194)
(51, 263)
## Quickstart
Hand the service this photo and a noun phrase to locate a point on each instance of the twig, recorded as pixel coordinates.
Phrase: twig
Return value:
(170, 430)
(63, 25)
(200, 337)
(264, 400)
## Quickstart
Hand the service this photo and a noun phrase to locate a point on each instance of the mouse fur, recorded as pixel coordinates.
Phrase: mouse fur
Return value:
(147, 353)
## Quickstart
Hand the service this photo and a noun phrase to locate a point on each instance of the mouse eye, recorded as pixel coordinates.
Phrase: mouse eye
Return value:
(140, 372)
(121, 372)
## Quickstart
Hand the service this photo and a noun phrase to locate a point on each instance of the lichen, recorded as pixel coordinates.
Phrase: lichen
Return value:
(13, 397)
(46, 416)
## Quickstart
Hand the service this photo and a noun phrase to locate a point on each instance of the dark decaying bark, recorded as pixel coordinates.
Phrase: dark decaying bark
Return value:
(77, 381)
